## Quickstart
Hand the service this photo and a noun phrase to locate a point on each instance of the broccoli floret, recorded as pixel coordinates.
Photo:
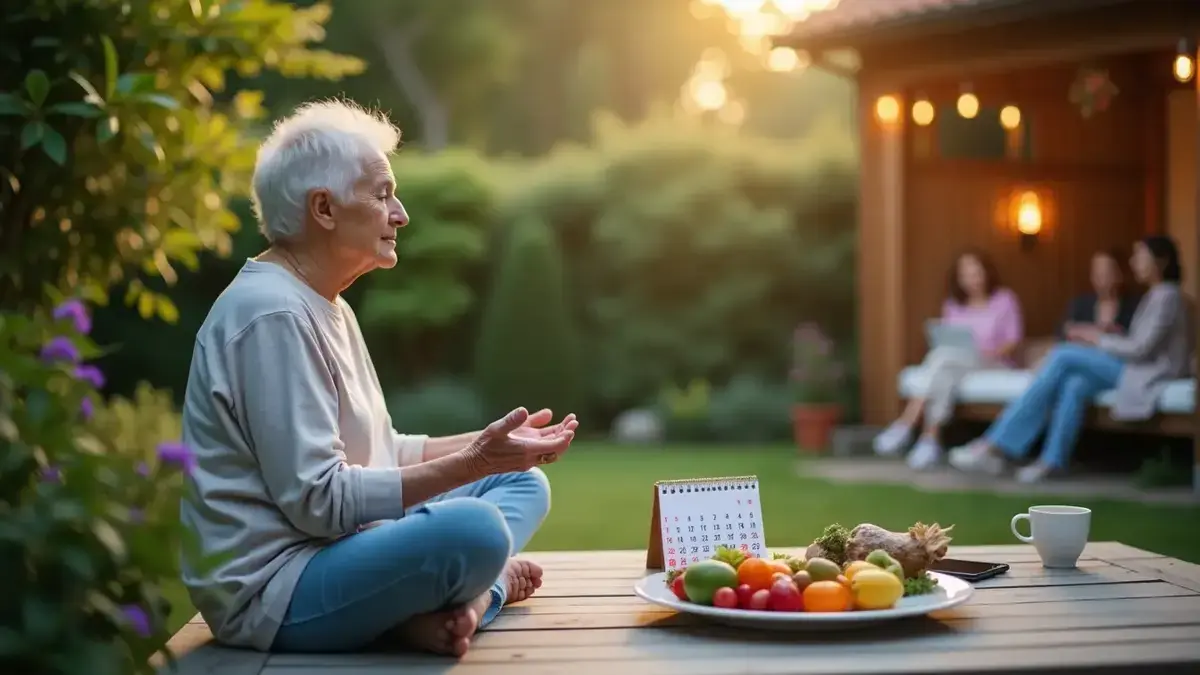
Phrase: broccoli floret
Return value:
(921, 585)
(833, 540)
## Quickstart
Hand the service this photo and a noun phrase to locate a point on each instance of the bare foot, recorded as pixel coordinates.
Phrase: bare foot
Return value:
(447, 632)
(522, 578)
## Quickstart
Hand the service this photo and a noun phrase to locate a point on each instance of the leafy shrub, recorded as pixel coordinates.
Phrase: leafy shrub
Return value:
(527, 350)
(685, 412)
(750, 409)
(89, 530)
(817, 375)
(442, 407)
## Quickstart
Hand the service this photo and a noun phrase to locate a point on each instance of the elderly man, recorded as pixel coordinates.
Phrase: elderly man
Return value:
(321, 528)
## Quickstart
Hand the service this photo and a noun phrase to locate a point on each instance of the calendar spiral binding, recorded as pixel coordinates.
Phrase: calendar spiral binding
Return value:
(727, 482)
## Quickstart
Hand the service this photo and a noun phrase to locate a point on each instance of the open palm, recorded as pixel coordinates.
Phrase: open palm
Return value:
(535, 426)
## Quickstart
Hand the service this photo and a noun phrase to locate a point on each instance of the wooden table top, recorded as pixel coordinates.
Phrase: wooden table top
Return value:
(1121, 610)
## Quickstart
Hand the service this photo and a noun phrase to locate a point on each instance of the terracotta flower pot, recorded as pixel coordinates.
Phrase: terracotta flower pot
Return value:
(813, 424)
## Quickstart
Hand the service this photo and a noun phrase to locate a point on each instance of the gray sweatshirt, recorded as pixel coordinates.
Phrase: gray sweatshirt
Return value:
(293, 442)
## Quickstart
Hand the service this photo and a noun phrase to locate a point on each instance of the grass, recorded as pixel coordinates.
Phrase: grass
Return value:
(602, 497)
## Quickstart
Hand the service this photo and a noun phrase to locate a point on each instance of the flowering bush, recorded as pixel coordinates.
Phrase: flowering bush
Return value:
(89, 530)
(817, 376)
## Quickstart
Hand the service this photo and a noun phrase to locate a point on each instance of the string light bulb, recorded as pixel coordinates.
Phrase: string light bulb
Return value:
(887, 109)
(1184, 67)
(968, 105)
(1010, 117)
(922, 112)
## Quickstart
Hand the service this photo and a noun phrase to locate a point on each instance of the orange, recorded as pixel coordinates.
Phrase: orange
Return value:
(827, 596)
(756, 573)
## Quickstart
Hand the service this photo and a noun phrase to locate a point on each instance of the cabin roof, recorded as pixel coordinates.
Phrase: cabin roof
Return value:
(858, 23)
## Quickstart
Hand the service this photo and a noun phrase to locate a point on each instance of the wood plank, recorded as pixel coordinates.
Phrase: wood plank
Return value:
(987, 596)
(197, 654)
(1178, 572)
(1136, 609)
(1060, 652)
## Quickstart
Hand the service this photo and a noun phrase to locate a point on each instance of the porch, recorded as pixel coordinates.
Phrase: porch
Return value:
(1039, 131)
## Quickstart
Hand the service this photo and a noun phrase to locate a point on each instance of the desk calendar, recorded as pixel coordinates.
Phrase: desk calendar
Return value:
(692, 518)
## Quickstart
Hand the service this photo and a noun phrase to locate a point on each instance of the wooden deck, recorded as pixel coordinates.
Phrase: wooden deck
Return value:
(1122, 610)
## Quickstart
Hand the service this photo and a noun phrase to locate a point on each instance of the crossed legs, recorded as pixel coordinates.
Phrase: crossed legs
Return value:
(431, 578)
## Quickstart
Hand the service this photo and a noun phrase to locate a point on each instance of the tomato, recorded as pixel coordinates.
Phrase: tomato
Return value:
(827, 596)
(677, 588)
(761, 600)
(725, 598)
(744, 592)
(780, 575)
(786, 597)
(756, 573)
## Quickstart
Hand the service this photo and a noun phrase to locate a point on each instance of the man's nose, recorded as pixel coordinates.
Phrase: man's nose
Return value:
(398, 217)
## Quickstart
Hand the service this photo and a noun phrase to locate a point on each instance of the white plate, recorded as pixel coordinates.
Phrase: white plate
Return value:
(950, 592)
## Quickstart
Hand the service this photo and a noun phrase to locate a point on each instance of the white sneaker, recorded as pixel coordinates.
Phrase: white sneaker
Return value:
(925, 454)
(892, 440)
(1034, 473)
(975, 457)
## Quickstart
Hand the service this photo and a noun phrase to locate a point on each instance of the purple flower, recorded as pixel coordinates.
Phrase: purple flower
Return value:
(60, 349)
(143, 469)
(177, 454)
(74, 310)
(87, 409)
(90, 374)
(51, 474)
(138, 620)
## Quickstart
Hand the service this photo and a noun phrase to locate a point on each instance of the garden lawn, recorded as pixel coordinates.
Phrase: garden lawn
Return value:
(602, 496)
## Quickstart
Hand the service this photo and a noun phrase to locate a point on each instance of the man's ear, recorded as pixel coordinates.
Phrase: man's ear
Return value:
(320, 207)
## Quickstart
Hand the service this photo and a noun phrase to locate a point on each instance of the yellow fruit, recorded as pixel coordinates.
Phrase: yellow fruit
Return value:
(856, 567)
(875, 589)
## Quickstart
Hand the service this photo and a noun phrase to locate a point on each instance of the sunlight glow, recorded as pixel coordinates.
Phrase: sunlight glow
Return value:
(755, 23)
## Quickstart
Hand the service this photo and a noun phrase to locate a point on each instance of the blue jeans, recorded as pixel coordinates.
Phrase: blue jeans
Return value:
(1070, 378)
(444, 553)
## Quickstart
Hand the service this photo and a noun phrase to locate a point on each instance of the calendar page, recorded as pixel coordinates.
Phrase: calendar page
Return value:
(698, 516)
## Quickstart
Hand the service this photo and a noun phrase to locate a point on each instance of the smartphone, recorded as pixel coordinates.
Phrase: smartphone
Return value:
(968, 570)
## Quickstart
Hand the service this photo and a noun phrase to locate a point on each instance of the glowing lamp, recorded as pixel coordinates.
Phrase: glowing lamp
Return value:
(1010, 117)
(968, 105)
(922, 113)
(887, 109)
(1184, 67)
(1028, 216)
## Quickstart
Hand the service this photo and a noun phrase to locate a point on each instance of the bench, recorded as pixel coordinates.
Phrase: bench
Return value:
(983, 394)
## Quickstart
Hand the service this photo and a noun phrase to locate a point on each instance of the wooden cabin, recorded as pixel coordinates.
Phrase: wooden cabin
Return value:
(1037, 130)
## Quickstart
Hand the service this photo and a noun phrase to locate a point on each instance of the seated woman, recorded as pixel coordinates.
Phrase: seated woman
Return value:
(1107, 306)
(992, 313)
(1157, 349)
(320, 528)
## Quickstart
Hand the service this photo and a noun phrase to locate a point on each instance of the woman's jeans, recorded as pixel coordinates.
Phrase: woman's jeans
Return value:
(444, 553)
(1069, 380)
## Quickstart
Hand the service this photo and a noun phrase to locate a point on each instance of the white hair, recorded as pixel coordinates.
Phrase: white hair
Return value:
(323, 144)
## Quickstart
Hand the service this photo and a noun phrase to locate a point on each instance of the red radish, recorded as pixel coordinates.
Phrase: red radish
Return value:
(725, 598)
(761, 600)
(786, 597)
(744, 593)
(677, 588)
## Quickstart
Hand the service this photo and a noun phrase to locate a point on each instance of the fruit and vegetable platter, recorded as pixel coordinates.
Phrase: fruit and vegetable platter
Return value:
(846, 576)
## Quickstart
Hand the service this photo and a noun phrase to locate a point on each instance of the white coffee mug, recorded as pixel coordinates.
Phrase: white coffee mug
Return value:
(1059, 533)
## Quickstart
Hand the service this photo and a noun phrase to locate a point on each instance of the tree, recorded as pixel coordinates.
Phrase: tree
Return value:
(527, 354)
(118, 162)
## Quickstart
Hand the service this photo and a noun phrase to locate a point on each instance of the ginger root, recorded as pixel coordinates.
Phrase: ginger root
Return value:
(915, 550)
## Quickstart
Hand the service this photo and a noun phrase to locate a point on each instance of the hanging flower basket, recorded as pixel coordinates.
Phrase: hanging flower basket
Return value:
(1092, 91)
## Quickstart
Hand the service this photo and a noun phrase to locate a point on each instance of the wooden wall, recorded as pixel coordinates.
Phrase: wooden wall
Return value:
(1096, 173)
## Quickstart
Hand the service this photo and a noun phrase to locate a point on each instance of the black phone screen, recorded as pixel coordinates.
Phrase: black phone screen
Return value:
(967, 568)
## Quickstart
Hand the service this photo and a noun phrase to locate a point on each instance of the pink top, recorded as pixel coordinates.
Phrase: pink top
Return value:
(995, 325)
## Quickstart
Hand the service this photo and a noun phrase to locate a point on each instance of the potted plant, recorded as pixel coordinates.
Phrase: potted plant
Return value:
(816, 380)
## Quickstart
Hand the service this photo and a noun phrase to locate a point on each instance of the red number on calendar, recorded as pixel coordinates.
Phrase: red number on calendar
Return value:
(695, 559)
(671, 551)
(671, 562)
(745, 547)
